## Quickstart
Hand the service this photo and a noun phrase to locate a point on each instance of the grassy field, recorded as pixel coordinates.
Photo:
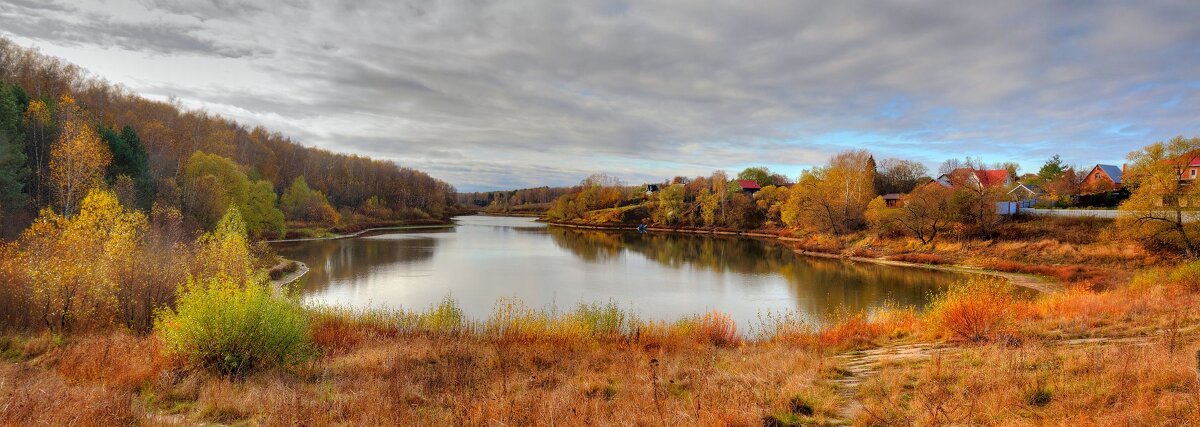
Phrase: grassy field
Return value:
(1125, 355)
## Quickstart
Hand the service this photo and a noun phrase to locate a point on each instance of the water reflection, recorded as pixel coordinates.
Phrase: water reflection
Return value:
(658, 275)
(819, 285)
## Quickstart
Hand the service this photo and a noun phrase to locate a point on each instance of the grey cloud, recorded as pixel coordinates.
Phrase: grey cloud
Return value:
(557, 88)
(51, 22)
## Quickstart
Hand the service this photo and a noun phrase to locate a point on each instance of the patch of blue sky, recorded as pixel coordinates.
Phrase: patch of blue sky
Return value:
(895, 108)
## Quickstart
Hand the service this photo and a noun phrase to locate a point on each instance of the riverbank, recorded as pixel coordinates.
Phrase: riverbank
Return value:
(1034, 282)
(1020, 365)
(366, 232)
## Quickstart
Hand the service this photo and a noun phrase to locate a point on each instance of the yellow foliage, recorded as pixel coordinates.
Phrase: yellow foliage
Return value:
(73, 266)
(78, 158)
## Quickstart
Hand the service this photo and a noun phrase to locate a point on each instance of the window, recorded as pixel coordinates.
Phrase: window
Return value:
(1193, 172)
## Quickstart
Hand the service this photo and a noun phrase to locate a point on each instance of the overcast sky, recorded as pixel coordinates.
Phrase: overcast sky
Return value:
(519, 93)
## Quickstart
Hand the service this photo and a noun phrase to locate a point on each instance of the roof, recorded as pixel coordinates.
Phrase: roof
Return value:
(1113, 172)
(988, 178)
(749, 184)
(1032, 188)
(993, 177)
(892, 196)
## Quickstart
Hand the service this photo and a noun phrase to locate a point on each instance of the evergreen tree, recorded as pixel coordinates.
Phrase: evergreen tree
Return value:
(13, 169)
(129, 159)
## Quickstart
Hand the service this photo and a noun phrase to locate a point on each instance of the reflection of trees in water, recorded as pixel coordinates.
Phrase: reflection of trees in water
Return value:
(818, 284)
(351, 259)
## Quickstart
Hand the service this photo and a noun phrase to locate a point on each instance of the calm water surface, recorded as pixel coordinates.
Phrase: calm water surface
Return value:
(661, 276)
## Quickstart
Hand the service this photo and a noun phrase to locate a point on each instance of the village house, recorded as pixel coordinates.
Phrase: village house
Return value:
(749, 186)
(1189, 167)
(893, 200)
(1103, 178)
(974, 178)
(1026, 195)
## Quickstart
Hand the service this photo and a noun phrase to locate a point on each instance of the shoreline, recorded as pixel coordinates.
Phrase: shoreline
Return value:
(1027, 281)
(361, 232)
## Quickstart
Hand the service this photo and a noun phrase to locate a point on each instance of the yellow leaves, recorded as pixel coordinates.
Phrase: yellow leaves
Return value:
(38, 113)
(77, 159)
(225, 252)
(74, 265)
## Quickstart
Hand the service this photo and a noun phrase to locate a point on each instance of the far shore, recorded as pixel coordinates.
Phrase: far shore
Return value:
(1028, 281)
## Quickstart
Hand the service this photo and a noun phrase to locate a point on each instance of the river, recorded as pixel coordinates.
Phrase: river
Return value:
(656, 275)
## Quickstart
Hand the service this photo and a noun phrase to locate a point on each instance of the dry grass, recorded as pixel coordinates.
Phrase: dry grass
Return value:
(428, 380)
(999, 385)
(1009, 362)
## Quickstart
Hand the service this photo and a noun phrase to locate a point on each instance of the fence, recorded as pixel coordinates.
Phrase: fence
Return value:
(1093, 213)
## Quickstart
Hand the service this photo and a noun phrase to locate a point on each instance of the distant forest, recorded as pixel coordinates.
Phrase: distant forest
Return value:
(507, 200)
(63, 131)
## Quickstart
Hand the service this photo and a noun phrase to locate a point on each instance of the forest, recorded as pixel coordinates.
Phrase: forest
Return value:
(64, 131)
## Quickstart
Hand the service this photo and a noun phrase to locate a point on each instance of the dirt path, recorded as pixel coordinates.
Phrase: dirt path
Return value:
(861, 365)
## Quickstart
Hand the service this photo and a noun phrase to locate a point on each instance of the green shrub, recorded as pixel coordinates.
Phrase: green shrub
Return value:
(234, 329)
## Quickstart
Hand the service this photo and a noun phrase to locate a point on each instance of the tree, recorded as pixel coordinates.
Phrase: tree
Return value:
(39, 127)
(77, 159)
(709, 202)
(211, 184)
(924, 213)
(1051, 170)
(261, 215)
(129, 159)
(974, 203)
(770, 200)
(669, 204)
(1162, 210)
(13, 171)
(898, 175)
(761, 175)
(833, 198)
(75, 265)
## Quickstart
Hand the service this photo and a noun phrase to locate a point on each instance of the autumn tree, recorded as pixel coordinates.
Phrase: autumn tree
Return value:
(760, 175)
(770, 200)
(1163, 209)
(668, 204)
(38, 121)
(924, 213)
(898, 175)
(262, 217)
(211, 184)
(225, 251)
(75, 265)
(299, 202)
(973, 202)
(833, 198)
(78, 159)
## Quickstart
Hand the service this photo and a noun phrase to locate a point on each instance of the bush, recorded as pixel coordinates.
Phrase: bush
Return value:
(234, 329)
(977, 310)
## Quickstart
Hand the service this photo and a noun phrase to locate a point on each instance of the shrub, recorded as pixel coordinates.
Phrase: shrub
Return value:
(977, 310)
(718, 329)
(234, 329)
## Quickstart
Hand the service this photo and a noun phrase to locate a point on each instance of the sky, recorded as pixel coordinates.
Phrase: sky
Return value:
(520, 93)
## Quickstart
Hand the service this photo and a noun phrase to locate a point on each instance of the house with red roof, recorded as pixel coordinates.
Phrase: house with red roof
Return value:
(1189, 167)
(749, 186)
(975, 178)
(1103, 178)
